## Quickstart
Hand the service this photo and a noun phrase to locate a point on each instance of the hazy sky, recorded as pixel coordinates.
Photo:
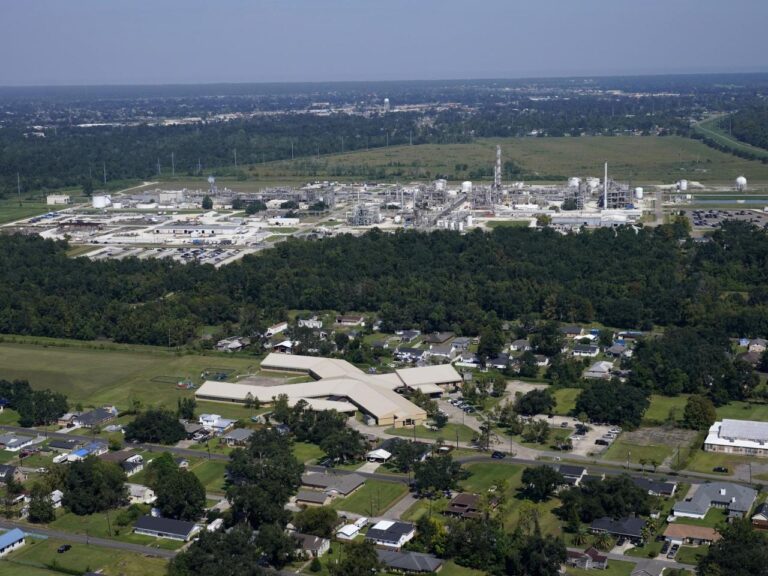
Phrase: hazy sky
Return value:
(196, 41)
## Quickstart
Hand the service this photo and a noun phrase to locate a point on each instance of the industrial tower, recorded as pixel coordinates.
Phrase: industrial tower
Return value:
(497, 170)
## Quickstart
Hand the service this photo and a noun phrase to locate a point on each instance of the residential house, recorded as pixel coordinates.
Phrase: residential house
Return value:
(680, 534)
(332, 484)
(752, 358)
(409, 354)
(215, 423)
(616, 351)
(67, 419)
(13, 443)
(165, 528)
(391, 533)
(599, 370)
(443, 351)
(192, 428)
(10, 541)
(348, 532)
(276, 329)
(460, 344)
(630, 528)
(758, 345)
(468, 359)
(285, 347)
(572, 332)
(438, 337)
(311, 546)
(573, 474)
(350, 320)
(409, 562)
(182, 463)
(520, 346)
(129, 461)
(92, 449)
(56, 497)
(8, 471)
(760, 517)
(585, 351)
(587, 560)
(408, 336)
(630, 335)
(233, 344)
(541, 360)
(378, 455)
(312, 498)
(97, 417)
(736, 499)
(140, 494)
(500, 362)
(464, 505)
(314, 323)
(237, 437)
(655, 487)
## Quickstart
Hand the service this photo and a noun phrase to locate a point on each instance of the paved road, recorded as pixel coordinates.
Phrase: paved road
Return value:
(650, 565)
(83, 539)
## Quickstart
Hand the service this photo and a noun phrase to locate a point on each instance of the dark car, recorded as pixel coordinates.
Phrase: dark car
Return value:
(63, 548)
(722, 469)
(601, 442)
(498, 455)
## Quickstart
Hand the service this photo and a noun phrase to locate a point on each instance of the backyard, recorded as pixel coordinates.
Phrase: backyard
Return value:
(372, 499)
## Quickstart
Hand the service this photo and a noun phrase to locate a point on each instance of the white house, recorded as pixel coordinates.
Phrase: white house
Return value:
(56, 497)
(276, 329)
(348, 532)
(215, 423)
(390, 533)
(314, 323)
(140, 494)
(10, 541)
(379, 455)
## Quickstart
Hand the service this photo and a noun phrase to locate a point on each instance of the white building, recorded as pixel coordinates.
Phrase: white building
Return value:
(57, 199)
(738, 437)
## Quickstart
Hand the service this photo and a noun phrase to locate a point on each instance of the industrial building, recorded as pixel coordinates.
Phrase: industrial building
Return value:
(340, 386)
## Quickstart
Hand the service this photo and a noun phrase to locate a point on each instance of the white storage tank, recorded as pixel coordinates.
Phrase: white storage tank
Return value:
(593, 182)
(682, 185)
(466, 187)
(398, 219)
(101, 201)
(741, 183)
(470, 220)
(573, 182)
(440, 185)
(639, 193)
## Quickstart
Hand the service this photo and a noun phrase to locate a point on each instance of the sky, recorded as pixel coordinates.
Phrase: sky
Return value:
(77, 42)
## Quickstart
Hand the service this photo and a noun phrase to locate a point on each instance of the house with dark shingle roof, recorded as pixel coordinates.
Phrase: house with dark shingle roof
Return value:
(390, 533)
(165, 528)
(630, 528)
(410, 562)
(655, 487)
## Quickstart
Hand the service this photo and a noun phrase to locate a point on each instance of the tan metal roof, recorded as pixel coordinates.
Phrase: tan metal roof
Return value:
(439, 374)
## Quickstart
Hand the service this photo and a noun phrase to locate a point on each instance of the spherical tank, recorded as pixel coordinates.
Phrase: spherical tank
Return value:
(574, 182)
(741, 183)
(639, 193)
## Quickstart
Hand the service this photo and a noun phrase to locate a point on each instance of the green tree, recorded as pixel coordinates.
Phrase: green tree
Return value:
(207, 203)
(180, 495)
(317, 520)
(742, 551)
(220, 553)
(93, 485)
(185, 408)
(536, 402)
(540, 482)
(40, 506)
(437, 474)
(156, 425)
(360, 559)
(613, 402)
(275, 544)
(699, 413)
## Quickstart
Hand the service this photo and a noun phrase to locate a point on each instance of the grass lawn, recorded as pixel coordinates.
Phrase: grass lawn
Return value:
(660, 407)
(566, 400)
(9, 416)
(39, 553)
(211, 474)
(485, 475)
(691, 554)
(94, 377)
(304, 451)
(508, 223)
(447, 433)
(425, 506)
(615, 568)
(620, 450)
(372, 499)
(743, 411)
(706, 461)
(450, 568)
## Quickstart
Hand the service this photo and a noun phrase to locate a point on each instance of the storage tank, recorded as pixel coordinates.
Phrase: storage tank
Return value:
(573, 182)
(440, 185)
(101, 201)
(466, 187)
(639, 193)
(470, 220)
(593, 182)
(683, 185)
(452, 193)
(398, 219)
(741, 183)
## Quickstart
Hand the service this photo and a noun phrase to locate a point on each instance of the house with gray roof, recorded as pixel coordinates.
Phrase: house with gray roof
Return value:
(237, 437)
(630, 527)
(737, 500)
(411, 562)
(333, 484)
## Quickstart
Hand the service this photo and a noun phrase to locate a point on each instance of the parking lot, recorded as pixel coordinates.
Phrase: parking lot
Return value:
(186, 254)
(712, 218)
(584, 440)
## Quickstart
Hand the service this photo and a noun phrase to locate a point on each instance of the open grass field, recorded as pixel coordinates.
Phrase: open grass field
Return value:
(305, 451)
(485, 475)
(211, 474)
(660, 407)
(714, 518)
(620, 451)
(744, 411)
(508, 223)
(373, 498)
(615, 568)
(94, 377)
(566, 400)
(32, 559)
(450, 568)
(711, 129)
(707, 461)
(640, 159)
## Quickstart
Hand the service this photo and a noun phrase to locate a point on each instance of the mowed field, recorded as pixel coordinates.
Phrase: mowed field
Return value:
(646, 159)
(95, 377)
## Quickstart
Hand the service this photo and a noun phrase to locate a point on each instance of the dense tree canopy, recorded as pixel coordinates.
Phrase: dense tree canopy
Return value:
(743, 551)
(156, 425)
(616, 497)
(35, 407)
(93, 485)
(613, 402)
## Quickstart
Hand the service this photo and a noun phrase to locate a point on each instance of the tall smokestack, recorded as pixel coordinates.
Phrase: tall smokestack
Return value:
(497, 169)
(605, 188)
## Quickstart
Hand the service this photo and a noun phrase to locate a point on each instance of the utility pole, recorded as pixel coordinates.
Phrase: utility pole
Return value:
(410, 137)
(342, 144)
(291, 149)
(159, 171)
(18, 186)
(235, 157)
(387, 138)
(199, 167)
(104, 167)
(173, 166)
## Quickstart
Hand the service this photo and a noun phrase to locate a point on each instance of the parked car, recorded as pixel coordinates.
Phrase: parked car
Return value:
(602, 442)
(498, 455)
(721, 469)
(564, 425)
(64, 548)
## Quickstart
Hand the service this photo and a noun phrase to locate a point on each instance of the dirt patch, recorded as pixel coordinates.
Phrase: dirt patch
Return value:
(659, 436)
(514, 386)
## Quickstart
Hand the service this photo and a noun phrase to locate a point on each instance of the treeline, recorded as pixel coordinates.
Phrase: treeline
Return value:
(751, 125)
(433, 281)
(35, 407)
